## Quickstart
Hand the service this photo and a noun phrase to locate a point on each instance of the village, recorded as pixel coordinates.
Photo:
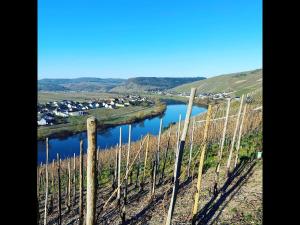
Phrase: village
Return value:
(204, 95)
(56, 112)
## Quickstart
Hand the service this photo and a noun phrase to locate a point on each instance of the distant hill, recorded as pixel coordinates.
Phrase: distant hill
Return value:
(138, 84)
(79, 84)
(113, 85)
(239, 83)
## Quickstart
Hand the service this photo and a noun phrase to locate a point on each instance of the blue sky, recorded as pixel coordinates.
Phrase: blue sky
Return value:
(129, 38)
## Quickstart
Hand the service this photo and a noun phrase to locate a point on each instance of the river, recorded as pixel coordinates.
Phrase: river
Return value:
(109, 137)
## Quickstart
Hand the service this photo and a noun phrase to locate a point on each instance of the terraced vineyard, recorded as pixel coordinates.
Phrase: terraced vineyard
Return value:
(238, 83)
(207, 163)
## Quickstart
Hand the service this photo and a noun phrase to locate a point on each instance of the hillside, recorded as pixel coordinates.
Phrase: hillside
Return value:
(79, 84)
(138, 84)
(239, 83)
(113, 85)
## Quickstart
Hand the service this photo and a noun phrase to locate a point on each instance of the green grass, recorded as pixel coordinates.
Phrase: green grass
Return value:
(174, 99)
(44, 97)
(106, 117)
(240, 83)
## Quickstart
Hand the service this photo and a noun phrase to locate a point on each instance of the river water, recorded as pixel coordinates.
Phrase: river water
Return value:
(109, 137)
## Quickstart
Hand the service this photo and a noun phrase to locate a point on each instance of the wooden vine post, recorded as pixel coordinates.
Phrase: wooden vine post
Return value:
(98, 167)
(158, 144)
(145, 163)
(116, 167)
(69, 184)
(153, 176)
(177, 136)
(234, 137)
(191, 149)
(123, 212)
(41, 178)
(222, 147)
(38, 181)
(81, 183)
(165, 157)
(37, 210)
(59, 191)
(201, 162)
(179, 157)
(46, 189)
(119, 169)
(156, 160)
(240, 135)
(74, 181)
(91, 171)
(127, 164)
(130, 168)
(138, 168)
(52, 178)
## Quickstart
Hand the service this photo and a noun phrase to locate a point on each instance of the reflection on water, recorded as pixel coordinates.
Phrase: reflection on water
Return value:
(67, 146)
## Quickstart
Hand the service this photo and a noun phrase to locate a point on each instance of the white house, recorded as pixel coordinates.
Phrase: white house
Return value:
(78, 113)
(120, 105)
(47, 117)
(62, 114)
(42, 122)
(108, 106)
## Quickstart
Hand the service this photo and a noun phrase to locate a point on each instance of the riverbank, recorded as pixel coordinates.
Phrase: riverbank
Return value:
(106, 117)
(174, 99)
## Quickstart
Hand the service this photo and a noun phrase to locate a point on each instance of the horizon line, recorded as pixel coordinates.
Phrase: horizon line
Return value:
(208, 76)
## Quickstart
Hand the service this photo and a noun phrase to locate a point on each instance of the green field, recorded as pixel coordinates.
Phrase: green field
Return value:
(106, 118)
(238, 83)
(44, 97)
(74, 96)
(169, 99)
